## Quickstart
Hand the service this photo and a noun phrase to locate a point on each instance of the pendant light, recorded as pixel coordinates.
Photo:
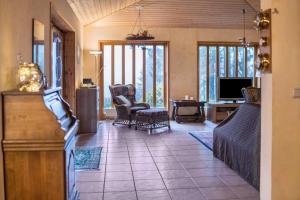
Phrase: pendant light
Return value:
(243, 40)
(141, 34)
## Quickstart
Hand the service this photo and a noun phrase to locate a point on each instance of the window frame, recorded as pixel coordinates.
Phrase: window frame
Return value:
(216, 44)
(123, 43)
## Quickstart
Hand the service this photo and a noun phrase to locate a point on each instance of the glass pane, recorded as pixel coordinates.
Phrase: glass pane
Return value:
(231, 61)
(222, 61)
(149, 75)
(107, 75)
(128, 64)
(38, 56)
(202, 72)
(212, 73)
(250, 62)
(160, 76)
(118, 64)
(57, 59)
(241, 62)
(139, 73)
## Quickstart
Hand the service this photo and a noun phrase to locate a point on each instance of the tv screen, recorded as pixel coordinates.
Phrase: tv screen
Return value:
(230, 88)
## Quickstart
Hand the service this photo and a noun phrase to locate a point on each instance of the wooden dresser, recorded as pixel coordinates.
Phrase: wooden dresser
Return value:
(87, 107)
(38, 146)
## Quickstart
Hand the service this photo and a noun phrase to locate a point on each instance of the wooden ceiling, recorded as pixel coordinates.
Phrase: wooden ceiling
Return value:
(166, 13)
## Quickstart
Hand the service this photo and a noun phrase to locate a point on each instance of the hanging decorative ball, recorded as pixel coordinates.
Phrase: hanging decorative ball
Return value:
(29, 77)
(263, 61)
(262, 20)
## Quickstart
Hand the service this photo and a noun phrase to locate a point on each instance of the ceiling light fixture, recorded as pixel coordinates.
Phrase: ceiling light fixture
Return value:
(243, 40)
(141, 34)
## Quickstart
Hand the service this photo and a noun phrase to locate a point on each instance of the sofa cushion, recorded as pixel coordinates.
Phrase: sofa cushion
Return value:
(123, 100)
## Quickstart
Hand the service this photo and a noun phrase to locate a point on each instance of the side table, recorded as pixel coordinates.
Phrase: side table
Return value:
(198, 116)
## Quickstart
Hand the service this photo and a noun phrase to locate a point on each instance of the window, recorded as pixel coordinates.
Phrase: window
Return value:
(57, 57)
(144, 65)
(222, 60)
(107, 71)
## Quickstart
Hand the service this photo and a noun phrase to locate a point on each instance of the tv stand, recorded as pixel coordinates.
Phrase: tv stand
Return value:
(217, 112)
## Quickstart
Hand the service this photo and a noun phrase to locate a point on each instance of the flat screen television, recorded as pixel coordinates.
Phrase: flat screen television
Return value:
(229, 89)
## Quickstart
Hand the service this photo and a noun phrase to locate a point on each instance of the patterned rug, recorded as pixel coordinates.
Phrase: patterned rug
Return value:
(205, 137)
(87, 157)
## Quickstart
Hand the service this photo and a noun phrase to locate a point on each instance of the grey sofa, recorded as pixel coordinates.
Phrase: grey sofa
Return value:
(236, 141)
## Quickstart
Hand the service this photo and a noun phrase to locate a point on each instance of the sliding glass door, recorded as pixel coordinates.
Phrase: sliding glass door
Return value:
(142, 64)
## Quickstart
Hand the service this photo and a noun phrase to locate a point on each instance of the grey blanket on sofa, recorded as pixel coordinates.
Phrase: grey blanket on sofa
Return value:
(236, 141)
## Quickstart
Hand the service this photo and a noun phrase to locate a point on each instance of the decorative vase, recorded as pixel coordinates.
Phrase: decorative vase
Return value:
(29, 77)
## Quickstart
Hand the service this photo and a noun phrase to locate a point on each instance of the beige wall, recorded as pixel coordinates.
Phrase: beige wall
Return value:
(15, 37)
(280, 162)
(183, 51)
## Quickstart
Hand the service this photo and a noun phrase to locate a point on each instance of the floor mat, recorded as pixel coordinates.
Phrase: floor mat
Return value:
(205, 137)
(87, 158)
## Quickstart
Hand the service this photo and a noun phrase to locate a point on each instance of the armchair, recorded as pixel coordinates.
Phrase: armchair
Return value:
(123, 97)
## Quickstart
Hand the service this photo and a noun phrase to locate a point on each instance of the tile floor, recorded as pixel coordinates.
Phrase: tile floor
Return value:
(167, 165)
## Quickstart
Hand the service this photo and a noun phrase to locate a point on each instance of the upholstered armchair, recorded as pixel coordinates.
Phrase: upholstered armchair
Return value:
(123, 97)
(252, 95)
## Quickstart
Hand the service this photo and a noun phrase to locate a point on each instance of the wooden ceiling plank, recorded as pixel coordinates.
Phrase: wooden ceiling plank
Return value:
(161, 13)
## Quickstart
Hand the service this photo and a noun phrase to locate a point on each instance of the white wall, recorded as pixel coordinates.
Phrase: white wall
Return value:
(280, 161)
(16, 37)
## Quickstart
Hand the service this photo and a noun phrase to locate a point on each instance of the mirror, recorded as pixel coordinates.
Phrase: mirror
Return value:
(38, 44)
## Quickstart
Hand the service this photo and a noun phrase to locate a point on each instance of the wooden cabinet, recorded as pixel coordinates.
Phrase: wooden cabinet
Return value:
(87, 107)
(39, 146)
(217, 112)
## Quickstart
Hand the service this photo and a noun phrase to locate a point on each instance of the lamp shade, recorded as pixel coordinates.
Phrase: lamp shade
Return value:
(95, 52)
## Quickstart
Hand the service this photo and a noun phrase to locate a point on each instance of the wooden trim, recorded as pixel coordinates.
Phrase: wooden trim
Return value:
(101, 85)
(227, 63)
(198, 75)
(144, 75)
(246, 61)
(123, 64)
(33, 145)
(207, 74)
(236, 62)
(166, 76)
(124, 42)
(217, 63)
(154, 75)
(254, 71)
(68, 68)
(112, 64)
(133, 65)
(222, 43)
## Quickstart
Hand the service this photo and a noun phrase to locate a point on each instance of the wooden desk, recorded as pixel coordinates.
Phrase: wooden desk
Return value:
(198, 116)
(39, 146)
